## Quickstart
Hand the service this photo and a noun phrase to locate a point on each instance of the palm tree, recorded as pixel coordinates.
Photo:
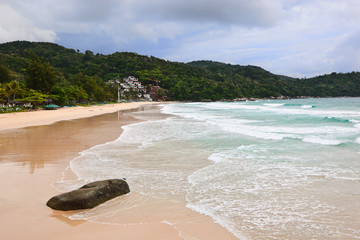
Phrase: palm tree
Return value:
(12, 89)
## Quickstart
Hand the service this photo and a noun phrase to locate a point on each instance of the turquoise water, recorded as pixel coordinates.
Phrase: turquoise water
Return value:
(280, 169)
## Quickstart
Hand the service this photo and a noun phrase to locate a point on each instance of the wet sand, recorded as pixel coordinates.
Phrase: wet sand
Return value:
(44, 117)
(33, 158)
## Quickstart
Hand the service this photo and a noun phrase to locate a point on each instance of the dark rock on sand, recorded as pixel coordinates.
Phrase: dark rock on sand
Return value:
(89, 195)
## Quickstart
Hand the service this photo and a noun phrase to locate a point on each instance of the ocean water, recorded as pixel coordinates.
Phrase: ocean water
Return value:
(279, 169)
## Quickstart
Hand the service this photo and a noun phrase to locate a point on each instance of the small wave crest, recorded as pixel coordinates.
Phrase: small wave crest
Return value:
(274, 104)
(292, 104)
(330, 142)
(334, 119)
(307, 106)
(356, 122)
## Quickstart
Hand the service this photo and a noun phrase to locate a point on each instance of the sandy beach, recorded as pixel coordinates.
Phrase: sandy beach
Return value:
(44, 117)
(36, 148)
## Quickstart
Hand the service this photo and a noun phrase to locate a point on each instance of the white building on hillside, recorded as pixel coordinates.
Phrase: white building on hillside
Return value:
(131, 83)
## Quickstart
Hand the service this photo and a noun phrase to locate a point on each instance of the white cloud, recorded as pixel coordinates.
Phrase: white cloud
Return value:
(260, 13)
(146, 18)
(13, 26)
(308, 41)
(294, 37)
(346, 55)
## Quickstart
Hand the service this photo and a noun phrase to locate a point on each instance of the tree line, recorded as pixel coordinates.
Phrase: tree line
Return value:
(39, 72)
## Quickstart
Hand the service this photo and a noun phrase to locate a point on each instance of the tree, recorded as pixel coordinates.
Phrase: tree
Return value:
(4, 74)
(13, 89)
(75, 94)
(3, 95)
(94, 87)
(35, 97)
(40, 75)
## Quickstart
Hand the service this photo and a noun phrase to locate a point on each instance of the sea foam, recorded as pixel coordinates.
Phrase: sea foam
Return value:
(259, 170)
(322, 141)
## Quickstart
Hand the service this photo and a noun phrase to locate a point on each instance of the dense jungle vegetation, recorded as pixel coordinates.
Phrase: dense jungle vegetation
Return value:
(35, 72)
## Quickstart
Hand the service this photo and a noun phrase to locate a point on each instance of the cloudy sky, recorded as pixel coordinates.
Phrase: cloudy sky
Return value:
(299, 38)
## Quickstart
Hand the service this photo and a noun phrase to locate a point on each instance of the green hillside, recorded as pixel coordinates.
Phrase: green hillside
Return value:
(68, 76)
(328, 85)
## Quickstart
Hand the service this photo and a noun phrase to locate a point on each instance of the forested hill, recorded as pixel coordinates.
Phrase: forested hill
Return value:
(68, 74)
(328, 85)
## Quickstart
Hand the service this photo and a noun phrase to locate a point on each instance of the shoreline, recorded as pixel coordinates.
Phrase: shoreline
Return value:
(46, 117)
(252, 99)
(33, 158)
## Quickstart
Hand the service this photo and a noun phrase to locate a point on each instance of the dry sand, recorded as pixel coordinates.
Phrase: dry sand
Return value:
(33, 158)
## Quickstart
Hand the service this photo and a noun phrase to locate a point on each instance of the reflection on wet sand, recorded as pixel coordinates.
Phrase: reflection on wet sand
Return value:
(34, 147)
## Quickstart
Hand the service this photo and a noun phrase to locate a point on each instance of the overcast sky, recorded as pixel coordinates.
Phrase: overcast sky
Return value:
(298, 38)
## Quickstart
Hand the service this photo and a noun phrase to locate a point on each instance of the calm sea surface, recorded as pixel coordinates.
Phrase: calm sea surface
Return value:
(280, 169)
